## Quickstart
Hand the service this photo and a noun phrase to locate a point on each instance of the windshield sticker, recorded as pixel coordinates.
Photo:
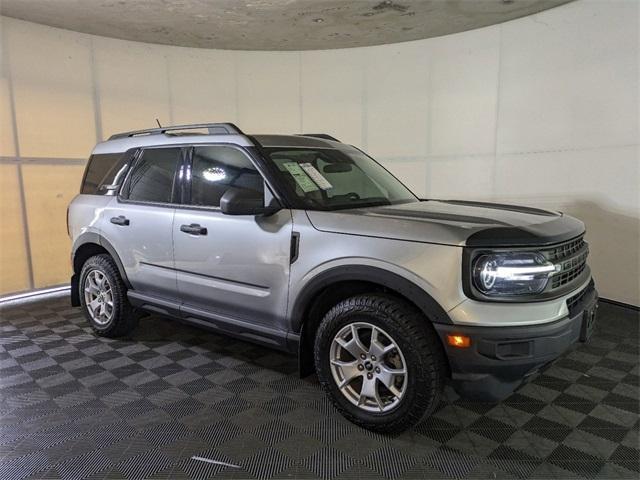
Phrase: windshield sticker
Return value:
(301, 178)
(316, 176)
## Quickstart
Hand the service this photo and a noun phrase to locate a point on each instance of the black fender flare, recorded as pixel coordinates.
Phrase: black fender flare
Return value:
(92, 237)
(394, 282)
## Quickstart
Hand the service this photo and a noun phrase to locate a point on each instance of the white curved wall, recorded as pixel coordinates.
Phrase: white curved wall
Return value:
(542, 111)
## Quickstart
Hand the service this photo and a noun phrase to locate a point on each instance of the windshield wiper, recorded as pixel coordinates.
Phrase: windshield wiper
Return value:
(360, 204)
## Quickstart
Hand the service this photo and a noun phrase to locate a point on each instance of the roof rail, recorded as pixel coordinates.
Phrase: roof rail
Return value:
(214, 129)
(319, 135)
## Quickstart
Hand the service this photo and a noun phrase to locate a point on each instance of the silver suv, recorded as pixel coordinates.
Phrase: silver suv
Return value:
(306, 244)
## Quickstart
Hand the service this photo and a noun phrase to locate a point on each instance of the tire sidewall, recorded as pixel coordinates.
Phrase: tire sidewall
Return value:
(418, 377)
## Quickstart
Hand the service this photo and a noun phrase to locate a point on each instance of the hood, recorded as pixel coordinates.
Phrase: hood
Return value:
(453, 222)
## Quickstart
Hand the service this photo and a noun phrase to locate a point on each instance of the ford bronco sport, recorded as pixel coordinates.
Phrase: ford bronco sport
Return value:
(306, 244)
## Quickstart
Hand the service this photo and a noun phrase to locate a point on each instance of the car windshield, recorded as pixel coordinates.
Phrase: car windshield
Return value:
(332, 179)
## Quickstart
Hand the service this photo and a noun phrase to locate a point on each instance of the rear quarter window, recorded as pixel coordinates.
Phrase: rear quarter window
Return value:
(104, 170)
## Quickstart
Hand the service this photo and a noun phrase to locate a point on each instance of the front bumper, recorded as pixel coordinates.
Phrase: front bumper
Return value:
(501, 358)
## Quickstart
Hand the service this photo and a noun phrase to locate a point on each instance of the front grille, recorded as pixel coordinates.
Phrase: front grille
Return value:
(572, 256)
(565, 250)
(571, 269)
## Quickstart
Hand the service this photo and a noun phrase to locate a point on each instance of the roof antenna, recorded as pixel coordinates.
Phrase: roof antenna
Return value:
(158, 122)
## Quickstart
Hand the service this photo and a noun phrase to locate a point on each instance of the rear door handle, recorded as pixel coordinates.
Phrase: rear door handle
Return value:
(193, 229)
(121, 220)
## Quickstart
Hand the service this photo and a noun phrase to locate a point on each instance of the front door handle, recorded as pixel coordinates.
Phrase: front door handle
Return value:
(121, 220)
(193, 229)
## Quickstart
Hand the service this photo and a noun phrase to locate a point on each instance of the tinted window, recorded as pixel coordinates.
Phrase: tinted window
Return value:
(104, 170)
(215, 169)
(153, 176)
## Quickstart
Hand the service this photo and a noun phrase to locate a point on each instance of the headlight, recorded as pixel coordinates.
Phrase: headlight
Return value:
(515, 273)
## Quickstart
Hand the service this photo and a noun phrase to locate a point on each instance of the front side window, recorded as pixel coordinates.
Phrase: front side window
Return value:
(215, 169)
(154, 175)
(332, 179)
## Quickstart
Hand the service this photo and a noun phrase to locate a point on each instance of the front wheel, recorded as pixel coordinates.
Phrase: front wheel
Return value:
(380, 361)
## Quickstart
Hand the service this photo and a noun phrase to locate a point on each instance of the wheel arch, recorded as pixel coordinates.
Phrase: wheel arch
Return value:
(339, 283)
(85, 246)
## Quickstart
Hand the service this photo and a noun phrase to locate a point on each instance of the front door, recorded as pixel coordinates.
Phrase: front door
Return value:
(231, 270)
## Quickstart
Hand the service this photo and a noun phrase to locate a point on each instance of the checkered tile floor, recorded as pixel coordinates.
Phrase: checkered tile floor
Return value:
(76, 406)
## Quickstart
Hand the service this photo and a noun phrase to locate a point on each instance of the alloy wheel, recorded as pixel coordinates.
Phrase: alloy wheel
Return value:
(98, 297)
(368, 367)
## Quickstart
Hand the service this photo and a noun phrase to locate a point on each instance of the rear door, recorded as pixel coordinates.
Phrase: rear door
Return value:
(138, 222)
(231, 269)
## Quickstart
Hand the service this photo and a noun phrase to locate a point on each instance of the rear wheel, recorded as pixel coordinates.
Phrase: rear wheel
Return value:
(103, 298)
(380, 361)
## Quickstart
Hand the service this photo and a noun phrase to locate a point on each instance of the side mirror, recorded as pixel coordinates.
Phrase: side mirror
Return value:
(242, 201)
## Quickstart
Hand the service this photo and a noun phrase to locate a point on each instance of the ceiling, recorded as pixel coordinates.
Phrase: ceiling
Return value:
(271, 24)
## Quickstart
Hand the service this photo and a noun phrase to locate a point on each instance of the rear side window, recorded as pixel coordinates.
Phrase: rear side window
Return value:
(153, 177)
(104, 173)
(217, 168)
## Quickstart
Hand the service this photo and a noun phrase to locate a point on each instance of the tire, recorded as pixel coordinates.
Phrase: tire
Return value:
(120, 318)
(418, 350)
